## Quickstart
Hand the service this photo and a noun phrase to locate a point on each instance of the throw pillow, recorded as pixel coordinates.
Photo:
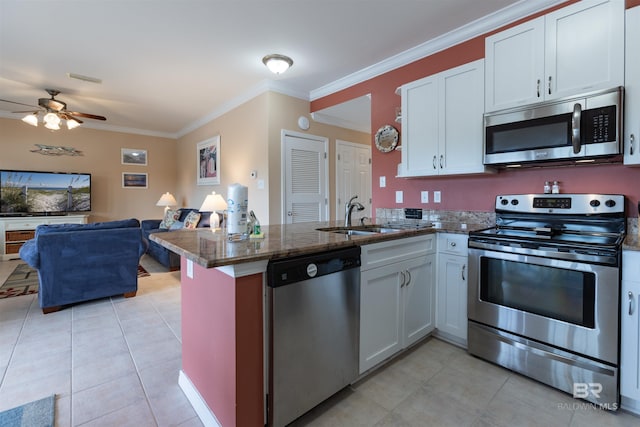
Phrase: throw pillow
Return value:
(169, 218)
(176, 225)
(191, 221)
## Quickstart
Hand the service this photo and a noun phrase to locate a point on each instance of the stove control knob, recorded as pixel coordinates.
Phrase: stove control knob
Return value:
(504, 202)
(610, 203)
(515, 202)
(594, 203)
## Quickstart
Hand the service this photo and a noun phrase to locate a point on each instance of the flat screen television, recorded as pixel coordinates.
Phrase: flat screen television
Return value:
(24, 193)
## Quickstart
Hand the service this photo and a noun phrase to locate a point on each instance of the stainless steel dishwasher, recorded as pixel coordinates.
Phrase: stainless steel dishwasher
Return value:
(314, 304)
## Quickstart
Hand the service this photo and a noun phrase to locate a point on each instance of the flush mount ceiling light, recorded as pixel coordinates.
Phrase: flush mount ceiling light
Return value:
(278, 64)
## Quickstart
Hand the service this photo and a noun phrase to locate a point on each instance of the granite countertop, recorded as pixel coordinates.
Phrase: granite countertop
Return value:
(213, 249)
(631, 242)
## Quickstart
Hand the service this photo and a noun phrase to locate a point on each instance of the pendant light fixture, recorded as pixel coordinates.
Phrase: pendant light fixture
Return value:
(278, 64)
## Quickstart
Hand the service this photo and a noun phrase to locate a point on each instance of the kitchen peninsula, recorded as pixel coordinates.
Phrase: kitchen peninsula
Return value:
(223, 316)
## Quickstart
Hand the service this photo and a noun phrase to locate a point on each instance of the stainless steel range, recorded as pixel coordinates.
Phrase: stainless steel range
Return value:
(544, 290)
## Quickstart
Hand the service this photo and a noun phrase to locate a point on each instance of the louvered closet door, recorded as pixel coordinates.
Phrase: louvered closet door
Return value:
(305, 197)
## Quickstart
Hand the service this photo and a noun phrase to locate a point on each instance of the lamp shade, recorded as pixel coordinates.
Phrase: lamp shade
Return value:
(213, 202)
(167, 199)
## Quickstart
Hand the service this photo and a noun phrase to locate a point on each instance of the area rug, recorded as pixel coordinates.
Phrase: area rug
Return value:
(40, 413)
(24, 281)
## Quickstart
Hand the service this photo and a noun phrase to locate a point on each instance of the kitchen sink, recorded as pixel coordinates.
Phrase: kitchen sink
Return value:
(359, 230)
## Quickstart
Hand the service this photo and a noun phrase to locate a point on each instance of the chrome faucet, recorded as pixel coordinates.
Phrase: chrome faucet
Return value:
(348, 208)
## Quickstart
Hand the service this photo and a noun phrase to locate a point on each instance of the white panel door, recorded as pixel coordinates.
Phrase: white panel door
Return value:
(353, 178)
(305, 178)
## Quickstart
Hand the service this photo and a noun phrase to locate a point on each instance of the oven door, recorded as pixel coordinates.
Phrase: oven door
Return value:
(566, 304)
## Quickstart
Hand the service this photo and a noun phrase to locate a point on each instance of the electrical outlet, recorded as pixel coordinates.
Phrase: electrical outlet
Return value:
(383, 181)
(437, 198)
(399, 196)
(424, 196)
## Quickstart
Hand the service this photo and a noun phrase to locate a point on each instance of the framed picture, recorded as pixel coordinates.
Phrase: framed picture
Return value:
(132, 156)
(134, 180)
(209, 161)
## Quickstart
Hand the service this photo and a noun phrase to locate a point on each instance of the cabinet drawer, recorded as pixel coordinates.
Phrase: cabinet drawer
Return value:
(19, 236)
(631, 265)
(454, 244)
(13, 248)
(383, 253)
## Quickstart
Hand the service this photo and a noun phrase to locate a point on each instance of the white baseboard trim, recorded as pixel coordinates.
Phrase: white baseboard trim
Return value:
(205, 414)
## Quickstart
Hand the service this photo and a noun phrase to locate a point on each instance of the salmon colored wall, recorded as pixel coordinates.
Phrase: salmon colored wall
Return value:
(472, 193)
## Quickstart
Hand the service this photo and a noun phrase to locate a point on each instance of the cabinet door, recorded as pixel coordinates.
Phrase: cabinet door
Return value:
(461, 127)
(419, 298)
(632, 88)
(584, 48)
(514, 66)
(380, 314)
(452, 295)
(420, 127)
(630, 326)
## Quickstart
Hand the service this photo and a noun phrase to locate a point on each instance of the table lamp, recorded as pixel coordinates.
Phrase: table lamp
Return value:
(214, 203)
(167, 200)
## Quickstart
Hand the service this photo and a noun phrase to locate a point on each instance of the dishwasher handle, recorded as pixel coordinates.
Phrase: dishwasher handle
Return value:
(287, 271)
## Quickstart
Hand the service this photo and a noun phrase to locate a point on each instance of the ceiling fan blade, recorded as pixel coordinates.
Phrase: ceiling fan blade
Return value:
(68, 116)
(86, 115)
(24, 112)
(19, 103)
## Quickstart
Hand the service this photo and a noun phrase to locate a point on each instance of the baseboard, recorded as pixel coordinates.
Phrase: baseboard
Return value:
(205, 414)
(630, 405)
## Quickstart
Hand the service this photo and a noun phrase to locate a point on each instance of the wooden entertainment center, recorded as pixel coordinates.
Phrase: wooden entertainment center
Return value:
(14, 231)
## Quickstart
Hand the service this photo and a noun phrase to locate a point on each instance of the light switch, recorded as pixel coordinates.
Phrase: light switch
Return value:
(399, 196)
(190, 269)
(424, 196)
(383, 181)
(436, 197)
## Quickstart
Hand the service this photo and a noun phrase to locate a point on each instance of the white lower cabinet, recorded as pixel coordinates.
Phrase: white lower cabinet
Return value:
(630, 333)
(451, 312)
(397, 296)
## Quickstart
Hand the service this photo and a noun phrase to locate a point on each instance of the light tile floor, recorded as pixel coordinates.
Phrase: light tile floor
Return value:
(115, 362)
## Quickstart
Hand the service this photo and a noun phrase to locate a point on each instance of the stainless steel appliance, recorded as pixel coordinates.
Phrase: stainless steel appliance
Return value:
(544, 289)
(587, 128)
(314, 327)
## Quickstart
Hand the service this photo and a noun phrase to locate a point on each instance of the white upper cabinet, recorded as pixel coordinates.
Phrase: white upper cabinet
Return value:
(514, 66)
(442, 123)
(574, 50)
(632, 88)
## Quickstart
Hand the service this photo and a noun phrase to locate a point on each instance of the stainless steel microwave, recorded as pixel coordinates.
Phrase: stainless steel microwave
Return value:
(586, 128)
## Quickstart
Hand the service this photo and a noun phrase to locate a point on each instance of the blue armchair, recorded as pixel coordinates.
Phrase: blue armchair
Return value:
(81, 262)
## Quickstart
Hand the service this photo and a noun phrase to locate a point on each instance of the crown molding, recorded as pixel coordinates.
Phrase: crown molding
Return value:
(473, 29)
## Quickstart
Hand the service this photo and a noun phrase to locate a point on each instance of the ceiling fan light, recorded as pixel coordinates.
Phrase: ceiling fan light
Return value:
(52, 118)
(278, 64)
(72, 124)
(52, 125)
(31, 119)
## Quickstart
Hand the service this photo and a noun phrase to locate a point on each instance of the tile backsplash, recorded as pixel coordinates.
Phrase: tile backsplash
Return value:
(396, 215)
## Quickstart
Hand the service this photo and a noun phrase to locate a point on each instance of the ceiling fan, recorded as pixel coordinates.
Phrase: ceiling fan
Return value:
(53, 112)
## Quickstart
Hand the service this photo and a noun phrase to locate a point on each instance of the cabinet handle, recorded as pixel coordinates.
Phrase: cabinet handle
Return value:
(453, 244)
(631, 141)
(630, 294)
(538, 88)
(434, 162)
(404, 278)
(441, 159)
(463, 269)
(549, 85)
(408, 281)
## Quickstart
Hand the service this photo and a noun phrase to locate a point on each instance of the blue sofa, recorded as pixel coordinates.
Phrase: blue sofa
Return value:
(164, 256)
(81, 262)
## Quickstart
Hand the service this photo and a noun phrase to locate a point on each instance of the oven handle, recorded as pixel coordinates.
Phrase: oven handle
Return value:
(553, 356)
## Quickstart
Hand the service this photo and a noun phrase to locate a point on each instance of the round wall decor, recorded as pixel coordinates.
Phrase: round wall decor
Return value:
(386, 138)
